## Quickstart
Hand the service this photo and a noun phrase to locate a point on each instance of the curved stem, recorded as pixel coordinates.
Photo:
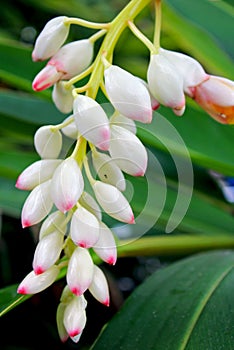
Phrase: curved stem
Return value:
(158, 23)
(87, 24)
(141, 37)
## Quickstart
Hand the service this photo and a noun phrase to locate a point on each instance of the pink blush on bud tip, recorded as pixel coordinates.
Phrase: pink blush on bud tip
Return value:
(74, 333)
(38, 270)
(106, 302)
(26, 223)
(76, 291)
(111, 260)
(132, 220)
(22, 290)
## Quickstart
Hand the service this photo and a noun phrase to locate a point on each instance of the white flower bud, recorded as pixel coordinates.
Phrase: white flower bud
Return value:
(124, 122)
(99, 287)
(84, 228)
(165, 83)
(48, 142)
(54, 222)
(89, 203)
(37, 205)
(191, 70)
(70, 130)
(33, 283)
(67, 185)
(69, 61)
(127, 151)
(63, 335)
(80, 271)
(108, 171)
(105, 247)
(36, 173)
(62, 97)
(113, 202)
(74, 317)
(91, 121)
(47, 252)
(127, 94)
(50, 39)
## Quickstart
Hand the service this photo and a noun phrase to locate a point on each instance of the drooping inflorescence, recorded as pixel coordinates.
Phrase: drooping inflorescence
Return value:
(72, 225)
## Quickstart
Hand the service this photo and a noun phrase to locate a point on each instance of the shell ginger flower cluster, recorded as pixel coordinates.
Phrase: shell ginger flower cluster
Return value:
(72, 232)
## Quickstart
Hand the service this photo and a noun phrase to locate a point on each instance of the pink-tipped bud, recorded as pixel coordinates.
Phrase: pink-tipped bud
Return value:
(48, 142)
(127, 151)
(108, 171)
(127, 94)
(69, 61)
(36, 173)
(63, 335)
(33, 283)
(84, 229)
(46, 78)
(99, 287)
(51, 38)
(67, 185)
(80, 271)
(89, 203)
(62, 97)
(216, 97)
(113, 202)
(190, 70)
(165, 82)
(47, 252)
(54, 222)
(37, 205)
(124, 122)
(105, 247)
(92, 121)
(74, 319)
(70, 130)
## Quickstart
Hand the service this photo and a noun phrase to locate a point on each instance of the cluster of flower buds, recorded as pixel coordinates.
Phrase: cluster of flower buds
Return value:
(73, 231)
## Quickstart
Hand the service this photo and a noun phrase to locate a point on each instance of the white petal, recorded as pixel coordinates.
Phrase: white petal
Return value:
(89, 203)
(74, 318)
(105, 247)
(48, 142)
(84, 229)
(124, 122)
(63, 335)
(99, 287)
(33, 283)
(54, 222)
(91, 121)
(73, 58)
(80, 271)
(108, 171)
(191, 70)
(50, 39)
(127, 94)
(127, 151)
(165, 83)
(62, 97)
(67, 185)
(37, 205)
(113, 202)
(36, 173)
(70, 130)
(47, 252)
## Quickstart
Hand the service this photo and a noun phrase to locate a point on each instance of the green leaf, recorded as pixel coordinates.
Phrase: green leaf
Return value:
(195, 34)
(187, 305)
(10, 299)
(28, 108)
(208, 142)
